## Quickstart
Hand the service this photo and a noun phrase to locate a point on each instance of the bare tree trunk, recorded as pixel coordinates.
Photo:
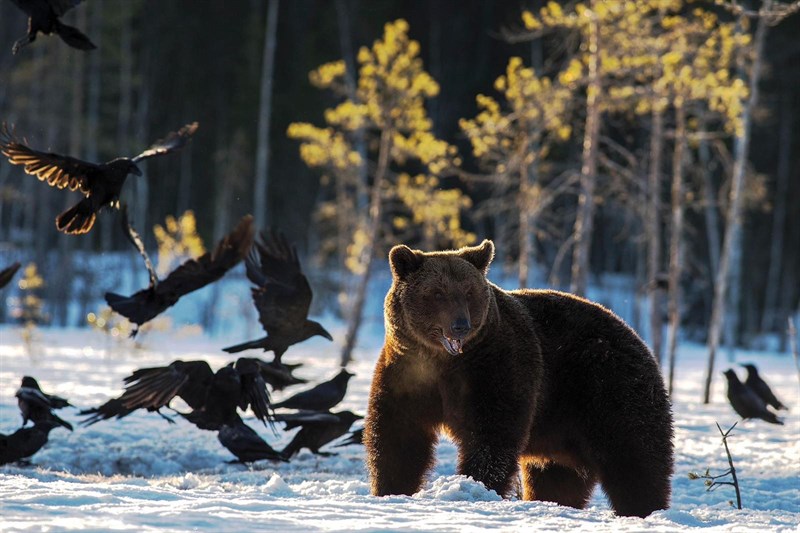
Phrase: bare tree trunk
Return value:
(773, 281)
(675, 258)
(653, 229)
(373, 229)
(731, 240)
(710, 210)
(346, 43)
(584, 220)
(261, 184)
(524, 231)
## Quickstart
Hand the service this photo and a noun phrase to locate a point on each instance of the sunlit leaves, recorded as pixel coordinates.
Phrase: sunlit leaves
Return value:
(177, 241)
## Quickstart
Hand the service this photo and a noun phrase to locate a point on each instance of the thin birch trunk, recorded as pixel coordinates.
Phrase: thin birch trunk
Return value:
(675, 259)
(653, 228)
(261, 184)
(773, 281)
(373, 228)
(731, 242)
(584, 220)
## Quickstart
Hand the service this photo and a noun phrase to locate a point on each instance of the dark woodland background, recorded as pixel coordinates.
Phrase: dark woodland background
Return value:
(161, 64)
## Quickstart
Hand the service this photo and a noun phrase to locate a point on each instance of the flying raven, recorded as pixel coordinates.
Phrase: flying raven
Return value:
(101, 183)
(7, 274)
(43, 18)
(192, 275)
(746, 402)
(282, 296)
(212, 396)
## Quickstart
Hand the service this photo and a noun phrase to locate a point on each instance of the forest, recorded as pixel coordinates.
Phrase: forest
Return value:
(653, 141)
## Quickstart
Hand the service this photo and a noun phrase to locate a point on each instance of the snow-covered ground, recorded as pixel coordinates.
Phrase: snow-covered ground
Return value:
(142, 474)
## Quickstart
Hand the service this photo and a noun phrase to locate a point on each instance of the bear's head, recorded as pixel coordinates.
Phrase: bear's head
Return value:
(441, 299)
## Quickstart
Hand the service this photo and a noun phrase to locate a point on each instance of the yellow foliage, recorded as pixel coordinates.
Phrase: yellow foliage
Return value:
(177, 241)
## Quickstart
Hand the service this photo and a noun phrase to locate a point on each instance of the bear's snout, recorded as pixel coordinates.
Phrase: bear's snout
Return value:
(460, 327)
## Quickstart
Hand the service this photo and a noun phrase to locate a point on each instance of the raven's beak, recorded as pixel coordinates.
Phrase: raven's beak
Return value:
(326, 335)
(136, 170)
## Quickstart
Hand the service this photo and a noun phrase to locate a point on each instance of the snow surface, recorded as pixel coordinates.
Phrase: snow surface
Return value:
(142, 474)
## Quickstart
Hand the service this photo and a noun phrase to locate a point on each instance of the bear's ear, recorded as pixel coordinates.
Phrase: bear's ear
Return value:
(480, 256)
(404, 261)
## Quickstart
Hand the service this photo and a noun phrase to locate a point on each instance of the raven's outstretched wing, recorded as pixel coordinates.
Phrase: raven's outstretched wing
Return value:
(136, 240)
(154, 388)
(8, 273)
(195, 274)
(57, 170)
(283, 295)
(254, 389)
(173, 141)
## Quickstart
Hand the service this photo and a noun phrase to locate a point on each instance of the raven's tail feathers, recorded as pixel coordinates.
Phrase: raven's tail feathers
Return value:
(78, 219)
(74, 37)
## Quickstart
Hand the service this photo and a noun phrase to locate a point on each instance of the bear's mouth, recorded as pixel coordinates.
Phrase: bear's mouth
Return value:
(453, 346)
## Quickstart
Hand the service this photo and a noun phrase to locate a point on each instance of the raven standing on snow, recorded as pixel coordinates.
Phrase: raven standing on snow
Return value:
(43, 17)
(192, 275)
(100, 183)
(318, 429)
(746, 402)
(282, 297)
(37, 406)
(25, 442)
(760, 387)
(322, 397)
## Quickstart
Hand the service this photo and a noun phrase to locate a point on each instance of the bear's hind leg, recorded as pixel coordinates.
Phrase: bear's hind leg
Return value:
(556, 483)
(637, 491)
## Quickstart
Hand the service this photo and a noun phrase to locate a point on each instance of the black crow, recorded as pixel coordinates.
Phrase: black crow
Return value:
(282, 297)
(356, 437)
(37, 406)
(760, 387)
(192, 275)
(43, 17)
(746, 402)
(7, 274)
(243, 442)
(25, 442)
(101, 184)
(317, 430)
(213, 397)
(320, 398)
(279, 375)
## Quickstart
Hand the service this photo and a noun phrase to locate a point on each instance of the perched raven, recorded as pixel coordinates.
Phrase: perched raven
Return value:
(760, 387)
(746, 402)
(25, 442)
(43, 18)
(213, 397)
(100, 183)
(243, 442)
(38, 406)
(192, 275)
(356, 437)
(318, 429)
(282, 297)
(7, 274)
(320, 398)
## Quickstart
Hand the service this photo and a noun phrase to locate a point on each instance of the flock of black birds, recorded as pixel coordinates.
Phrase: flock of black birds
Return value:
(282, 297)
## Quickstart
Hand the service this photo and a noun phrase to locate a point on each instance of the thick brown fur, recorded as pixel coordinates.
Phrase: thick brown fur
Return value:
(546, 381)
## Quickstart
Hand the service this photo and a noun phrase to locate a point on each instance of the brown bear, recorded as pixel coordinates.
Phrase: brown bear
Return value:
(534, 379)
